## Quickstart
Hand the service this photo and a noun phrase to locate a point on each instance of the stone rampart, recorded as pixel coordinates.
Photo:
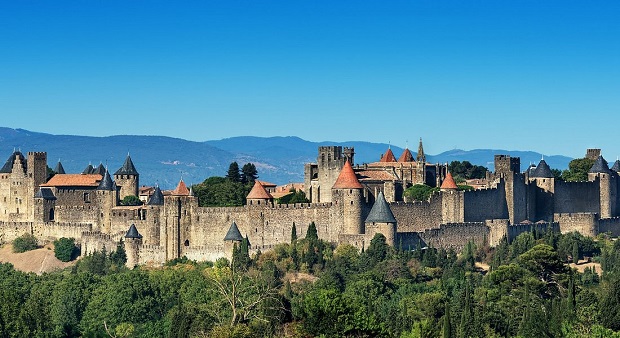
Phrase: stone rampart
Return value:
(456, 235)
(577, 197)
(515, 230)
(11, 230)
(418, 216)
(610, 226)
(481, 205)
(584, 223)
(51, 231)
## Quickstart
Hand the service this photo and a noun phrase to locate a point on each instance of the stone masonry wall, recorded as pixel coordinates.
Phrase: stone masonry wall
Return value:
(456, 235)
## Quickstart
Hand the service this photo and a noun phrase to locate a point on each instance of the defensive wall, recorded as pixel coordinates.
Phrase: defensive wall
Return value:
(456, 235)
(577, 197)
(480, 205)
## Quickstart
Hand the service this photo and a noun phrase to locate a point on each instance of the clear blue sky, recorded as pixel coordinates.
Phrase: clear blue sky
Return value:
(516, 75)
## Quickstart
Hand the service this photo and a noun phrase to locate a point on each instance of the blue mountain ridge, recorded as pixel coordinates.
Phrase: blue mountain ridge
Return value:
(164, 160)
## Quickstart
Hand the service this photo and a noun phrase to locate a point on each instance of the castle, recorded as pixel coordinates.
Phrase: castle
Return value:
(349, 204)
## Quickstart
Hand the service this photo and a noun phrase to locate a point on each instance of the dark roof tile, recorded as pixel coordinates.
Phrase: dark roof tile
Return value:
(380, 212)
(233, 233)
(128, 168)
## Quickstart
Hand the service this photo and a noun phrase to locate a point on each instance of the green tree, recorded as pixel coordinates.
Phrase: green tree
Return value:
(131, 200)
(119, 257)
(249, 174)
(233, 173)
(65, 249)
(312, 233)
(577, 170)
(293, 234)
(220, 192)
(419, 192)
(447, 327)
(25, 242)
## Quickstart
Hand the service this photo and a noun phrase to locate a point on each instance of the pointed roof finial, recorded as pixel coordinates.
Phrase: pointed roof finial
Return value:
(421, 157)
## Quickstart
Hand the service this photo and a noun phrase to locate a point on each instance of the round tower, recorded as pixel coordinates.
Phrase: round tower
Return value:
(133, 242)
(349, 192)
(127, 178)
(106, 194)
(381, 220)
(259, 195)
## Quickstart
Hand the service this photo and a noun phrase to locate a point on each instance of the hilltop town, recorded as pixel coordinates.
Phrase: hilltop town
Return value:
(349, 203)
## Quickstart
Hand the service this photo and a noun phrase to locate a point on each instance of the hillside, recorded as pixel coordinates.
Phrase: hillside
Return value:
(164, 160)
(38, 261)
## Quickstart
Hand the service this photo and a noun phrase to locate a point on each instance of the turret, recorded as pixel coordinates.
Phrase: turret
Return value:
(258, 195)
(44, 201)
(127, 178)
(133, 242)
(421, 157)
(608, 186)
(106, 193)
(543, 176)
(233, 236)
(381, 220)
(349, 193)
(448, 183)
(388, 156)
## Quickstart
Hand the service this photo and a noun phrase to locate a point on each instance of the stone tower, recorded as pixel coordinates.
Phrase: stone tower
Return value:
(452, 210)
(507, 169)
(259, 196)
(44, 203)
(421, 157)
(128, 179)
(106, 195)
(133, 242)
(543, 205)
(178, 207)
(330, 162)
(233, 236)
(381, 220)
(348, 193)
(608, 181)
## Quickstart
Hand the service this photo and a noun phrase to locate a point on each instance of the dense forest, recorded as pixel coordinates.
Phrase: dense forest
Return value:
(308, 288)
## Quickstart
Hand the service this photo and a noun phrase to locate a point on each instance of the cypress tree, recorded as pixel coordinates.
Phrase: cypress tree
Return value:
(312, 233)
(293, 234)
(447, 329)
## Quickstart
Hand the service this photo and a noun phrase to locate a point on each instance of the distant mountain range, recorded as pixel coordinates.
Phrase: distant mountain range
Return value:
(164, 160)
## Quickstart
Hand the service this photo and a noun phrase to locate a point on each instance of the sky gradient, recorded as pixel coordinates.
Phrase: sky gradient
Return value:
(526, 75)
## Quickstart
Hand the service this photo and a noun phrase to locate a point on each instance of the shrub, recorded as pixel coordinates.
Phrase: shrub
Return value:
(25, 242)
(65, 249)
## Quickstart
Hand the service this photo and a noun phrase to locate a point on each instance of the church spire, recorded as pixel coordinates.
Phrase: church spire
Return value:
(421, 157)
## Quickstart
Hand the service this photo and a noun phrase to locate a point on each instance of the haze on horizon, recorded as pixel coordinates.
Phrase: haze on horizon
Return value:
(523, 76)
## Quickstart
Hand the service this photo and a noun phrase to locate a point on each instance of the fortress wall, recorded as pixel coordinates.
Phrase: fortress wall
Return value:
(152, 255)
(51, 231)
(498, 229)
(481, 205)
(456, 235)
(265, 226)
(584, 223)
(93, 241)
(11, 230)
(359, 241)
(577, 197)
(609, 225)
(79, 213)
(418, 216)
(409, 241)
(515, 230)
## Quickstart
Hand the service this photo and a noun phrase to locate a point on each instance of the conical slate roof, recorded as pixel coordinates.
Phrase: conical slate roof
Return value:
(448, 183)
(106, 182)
(600, 166)
(380, 212)
(59, 168)
(347, 178)
(542, 170)
(133, 232)
(233, 233)
(8, 166)
(128, 168)
(88, 170)
(45, 193)
(616, 166)
(406, 156)
(258, 192)
(181, 189)
(99, 170)
(157, 198)
(388, 156)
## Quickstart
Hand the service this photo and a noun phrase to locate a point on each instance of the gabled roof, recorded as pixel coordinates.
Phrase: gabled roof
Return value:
(600, 166)
(616, 166)
(59, 168)
(406, 156)
(8, 166)
(106, 182)
(233, 233)
(45, 193)
(380, 212)
(448, 183)
(157, 198)
(128, 168)
(181, 189)
(347, 178)
(388, 156)
(258, 192)
(133, 232)
(88, 170)
(73, 180)
(267, 184)
(542, 170)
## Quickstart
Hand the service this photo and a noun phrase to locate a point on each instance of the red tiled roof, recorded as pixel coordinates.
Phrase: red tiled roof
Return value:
(258, 192)
(181, 189)
(73, 180)
(388, 156)
(347, 178)
(266, 184)
(448, 183)
(406, 156)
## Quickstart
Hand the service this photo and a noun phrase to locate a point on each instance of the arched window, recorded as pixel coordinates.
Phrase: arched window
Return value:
(51, 214)
(186, 242)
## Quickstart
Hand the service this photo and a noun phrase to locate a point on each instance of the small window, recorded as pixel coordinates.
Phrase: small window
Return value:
(87, 197)
(186, 242)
